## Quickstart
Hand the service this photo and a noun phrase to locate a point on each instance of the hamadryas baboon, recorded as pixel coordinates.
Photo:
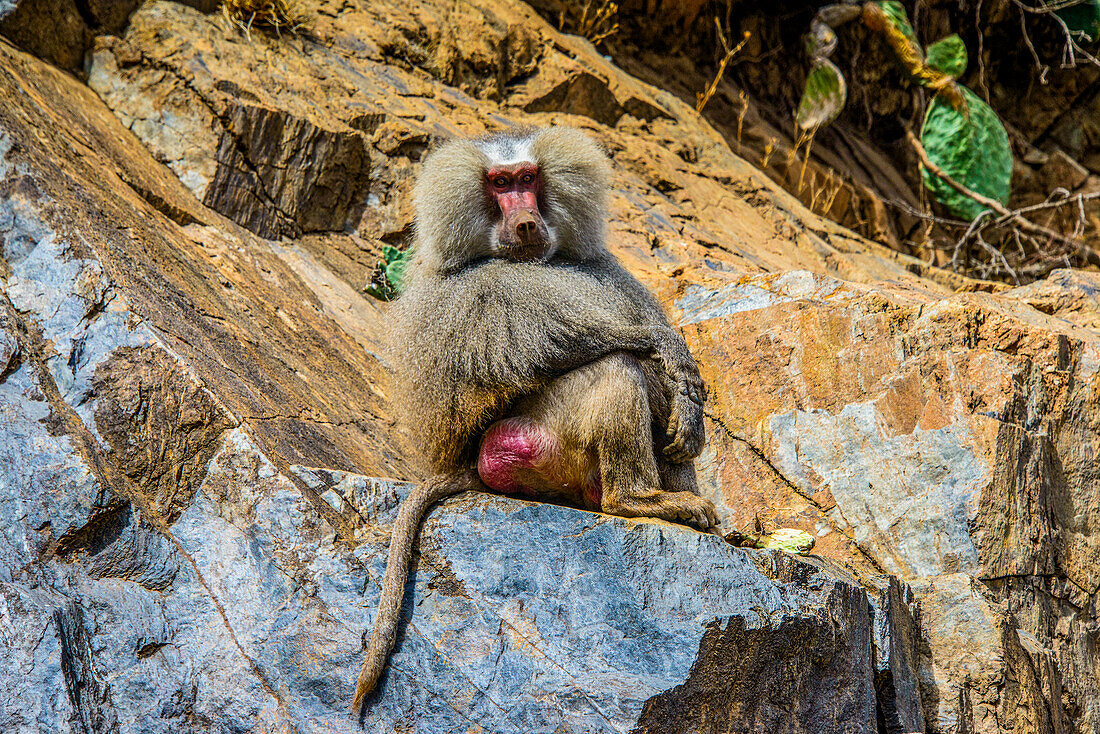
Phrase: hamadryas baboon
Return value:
(531, 362)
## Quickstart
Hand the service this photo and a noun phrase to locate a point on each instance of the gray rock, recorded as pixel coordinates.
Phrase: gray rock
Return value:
(916, 522)
(897, 640)
(522, 616)
(247, 613)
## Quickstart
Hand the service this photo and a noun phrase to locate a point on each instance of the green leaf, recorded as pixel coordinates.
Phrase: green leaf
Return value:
(971, 146)
(396, 262)
(948, 55)
(824, 96)
(889, 19)
(896, 17)
(388, 280)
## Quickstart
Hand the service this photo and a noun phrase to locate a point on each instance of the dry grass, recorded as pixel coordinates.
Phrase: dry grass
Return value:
(818, 191)
(277, 15)
(744, 100)
(701, 98)
(596, 22)
(823, 192)
(769, 150)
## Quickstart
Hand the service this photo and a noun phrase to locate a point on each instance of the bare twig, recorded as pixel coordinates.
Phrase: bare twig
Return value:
(1078, 199)
(1072, 48)
(704, 97)
(925, 216)
(998, 255)
(1043, 68)
(1008, 216)
(973, 228)
(981, 48)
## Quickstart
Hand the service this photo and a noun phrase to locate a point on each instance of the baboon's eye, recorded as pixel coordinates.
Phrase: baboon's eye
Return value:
(528, 178)
(500, 182)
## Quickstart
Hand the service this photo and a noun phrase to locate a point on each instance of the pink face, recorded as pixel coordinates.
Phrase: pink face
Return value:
(521, 231)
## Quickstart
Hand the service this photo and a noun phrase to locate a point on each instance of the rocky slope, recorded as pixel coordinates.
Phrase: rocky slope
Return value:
(194, 399)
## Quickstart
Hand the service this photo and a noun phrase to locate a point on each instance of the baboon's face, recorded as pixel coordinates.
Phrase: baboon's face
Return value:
(522, 196)
(519, 231)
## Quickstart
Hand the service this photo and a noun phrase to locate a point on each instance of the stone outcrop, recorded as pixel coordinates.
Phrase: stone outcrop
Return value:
(61, 31)
(194, 401)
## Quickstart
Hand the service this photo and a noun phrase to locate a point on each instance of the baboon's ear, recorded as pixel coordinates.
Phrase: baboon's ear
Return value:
(575, 174)
(451, 220)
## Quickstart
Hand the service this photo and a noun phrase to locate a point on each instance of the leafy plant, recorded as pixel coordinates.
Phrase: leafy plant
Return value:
(388, 279)
(962, 135)
(824, 97)
(969, 145)
(788, 540)
(895, 15)
(947, 56)
(1080, 16)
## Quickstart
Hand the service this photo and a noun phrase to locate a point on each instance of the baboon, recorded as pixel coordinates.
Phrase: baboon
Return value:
(531, 362)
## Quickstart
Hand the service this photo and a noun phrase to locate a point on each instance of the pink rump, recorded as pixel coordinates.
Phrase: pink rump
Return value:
(507, 447)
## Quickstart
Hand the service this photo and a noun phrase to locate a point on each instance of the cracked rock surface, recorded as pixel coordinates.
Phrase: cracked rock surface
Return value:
(198, 459)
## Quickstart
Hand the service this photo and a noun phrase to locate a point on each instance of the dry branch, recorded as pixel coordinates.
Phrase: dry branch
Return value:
(704, 97)
(1007, 216)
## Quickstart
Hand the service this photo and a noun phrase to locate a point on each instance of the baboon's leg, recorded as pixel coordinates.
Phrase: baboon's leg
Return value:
(624, 442)
(589, 437)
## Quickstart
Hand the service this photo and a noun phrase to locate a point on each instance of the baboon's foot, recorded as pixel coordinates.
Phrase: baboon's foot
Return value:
(680, 507)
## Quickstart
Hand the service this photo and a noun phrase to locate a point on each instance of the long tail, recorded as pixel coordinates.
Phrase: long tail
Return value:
(397, 570)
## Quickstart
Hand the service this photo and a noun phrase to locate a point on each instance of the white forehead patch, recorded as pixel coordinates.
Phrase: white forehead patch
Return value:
(507, 151)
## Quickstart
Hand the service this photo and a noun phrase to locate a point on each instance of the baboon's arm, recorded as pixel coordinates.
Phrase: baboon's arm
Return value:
(585, 314)
(683, 383)
(502, 329)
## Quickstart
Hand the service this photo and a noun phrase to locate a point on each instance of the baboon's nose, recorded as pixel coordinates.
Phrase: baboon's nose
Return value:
(525, 227)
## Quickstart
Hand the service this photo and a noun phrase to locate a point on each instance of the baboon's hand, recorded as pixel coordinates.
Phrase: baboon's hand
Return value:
(685, 421)
(685, 386)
